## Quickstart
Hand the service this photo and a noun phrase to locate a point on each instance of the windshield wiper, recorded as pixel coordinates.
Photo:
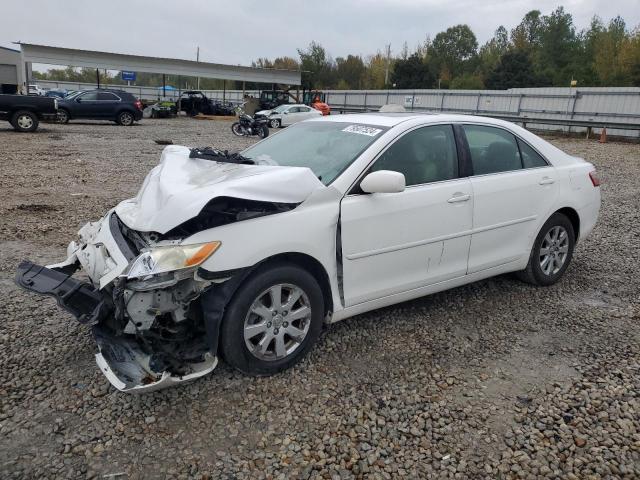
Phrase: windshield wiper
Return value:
(208, 153)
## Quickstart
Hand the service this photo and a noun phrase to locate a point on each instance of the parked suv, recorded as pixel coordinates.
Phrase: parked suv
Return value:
(101, 104)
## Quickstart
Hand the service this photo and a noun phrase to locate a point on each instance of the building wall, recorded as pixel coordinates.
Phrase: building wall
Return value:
(11, 71)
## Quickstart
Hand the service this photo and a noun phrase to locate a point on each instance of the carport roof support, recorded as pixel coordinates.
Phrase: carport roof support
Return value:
(138, 63)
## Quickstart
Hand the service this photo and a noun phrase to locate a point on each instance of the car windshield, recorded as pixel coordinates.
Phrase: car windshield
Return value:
(72, 94)
(327, 148)
(280, 108)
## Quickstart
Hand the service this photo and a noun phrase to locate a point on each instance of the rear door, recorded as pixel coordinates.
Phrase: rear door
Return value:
(107, 105)
(396, 242)
(514, 189)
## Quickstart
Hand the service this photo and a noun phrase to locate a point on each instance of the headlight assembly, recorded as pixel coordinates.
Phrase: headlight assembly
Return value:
(171, 258)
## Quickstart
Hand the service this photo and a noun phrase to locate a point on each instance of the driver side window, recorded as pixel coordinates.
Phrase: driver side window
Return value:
(89, 97)
(424, 155)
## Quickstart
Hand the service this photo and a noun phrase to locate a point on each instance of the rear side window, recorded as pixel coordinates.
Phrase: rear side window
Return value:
(493, 150)
(107, 96)
(424, 155)
(530, 158)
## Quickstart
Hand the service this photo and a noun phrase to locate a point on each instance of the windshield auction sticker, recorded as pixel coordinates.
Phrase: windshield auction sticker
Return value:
(362, 130)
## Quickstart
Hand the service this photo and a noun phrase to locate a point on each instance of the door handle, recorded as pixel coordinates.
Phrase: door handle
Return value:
(546, 181)
(459, 197)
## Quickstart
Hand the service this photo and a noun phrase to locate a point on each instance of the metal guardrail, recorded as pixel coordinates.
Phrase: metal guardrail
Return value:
(589, 124)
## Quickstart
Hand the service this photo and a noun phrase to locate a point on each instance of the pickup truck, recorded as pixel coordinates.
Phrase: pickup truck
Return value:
(24, 112)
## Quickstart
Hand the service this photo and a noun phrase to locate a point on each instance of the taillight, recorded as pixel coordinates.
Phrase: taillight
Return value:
(594, 178)
(138, 104)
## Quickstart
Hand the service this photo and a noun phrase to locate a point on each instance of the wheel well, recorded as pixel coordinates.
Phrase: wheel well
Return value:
(573, 217)
(314, 267)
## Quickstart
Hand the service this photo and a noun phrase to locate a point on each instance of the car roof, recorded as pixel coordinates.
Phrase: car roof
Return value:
(393, 119)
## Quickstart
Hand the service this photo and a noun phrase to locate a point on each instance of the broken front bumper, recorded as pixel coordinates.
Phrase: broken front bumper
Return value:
(121, 355)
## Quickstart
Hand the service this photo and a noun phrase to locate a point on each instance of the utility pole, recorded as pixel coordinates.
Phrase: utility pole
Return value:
(386, 70)
(197, 60)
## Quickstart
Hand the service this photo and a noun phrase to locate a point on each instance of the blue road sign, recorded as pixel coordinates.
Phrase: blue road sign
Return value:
(128, 76)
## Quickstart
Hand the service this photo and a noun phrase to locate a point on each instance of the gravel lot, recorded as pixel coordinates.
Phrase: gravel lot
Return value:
(493, 380)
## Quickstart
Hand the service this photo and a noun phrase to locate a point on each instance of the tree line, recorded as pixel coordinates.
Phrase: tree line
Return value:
(542, 50)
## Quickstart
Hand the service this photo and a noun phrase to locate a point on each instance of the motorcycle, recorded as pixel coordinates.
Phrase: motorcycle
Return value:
(247, 126)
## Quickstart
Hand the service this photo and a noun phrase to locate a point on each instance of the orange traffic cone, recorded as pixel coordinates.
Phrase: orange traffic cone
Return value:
(603, 136)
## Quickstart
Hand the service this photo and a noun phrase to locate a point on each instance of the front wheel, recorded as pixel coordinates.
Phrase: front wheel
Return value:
(125, 118)
(237, 129)
(275, 123)
(551, 253)
(63, 116)
(24, 121)
(273, 320)
(263, 131)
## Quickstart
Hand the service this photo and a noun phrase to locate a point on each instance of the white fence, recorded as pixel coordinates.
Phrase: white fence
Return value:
(614, 104)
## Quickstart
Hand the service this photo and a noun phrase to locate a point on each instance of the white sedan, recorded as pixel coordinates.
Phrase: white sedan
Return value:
(245, 256)
(285, 115)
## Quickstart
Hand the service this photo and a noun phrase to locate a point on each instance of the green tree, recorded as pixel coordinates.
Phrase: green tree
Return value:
(526, 36)
(467, 81)
(512, 71)
(558, 50)
(316, 67)
(413, 72)
(454, 49)
(490, 52)
(350, 70)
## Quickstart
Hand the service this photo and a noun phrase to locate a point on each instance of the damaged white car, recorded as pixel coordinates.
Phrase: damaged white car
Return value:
(245, 256)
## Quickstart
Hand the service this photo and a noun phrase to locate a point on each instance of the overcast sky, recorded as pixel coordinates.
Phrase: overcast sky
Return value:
(239, 31)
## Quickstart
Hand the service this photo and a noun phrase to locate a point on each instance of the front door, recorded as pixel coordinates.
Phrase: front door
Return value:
(86, 105)
(513, 189)
(396, 242)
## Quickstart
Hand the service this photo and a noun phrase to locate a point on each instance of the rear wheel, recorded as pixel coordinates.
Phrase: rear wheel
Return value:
(24, 121)
(263, 131)
(273, 320)
(551, 253)
(125, 118)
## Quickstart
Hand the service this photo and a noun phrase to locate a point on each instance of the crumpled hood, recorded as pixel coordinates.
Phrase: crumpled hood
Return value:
(179, 187)
(266, 113)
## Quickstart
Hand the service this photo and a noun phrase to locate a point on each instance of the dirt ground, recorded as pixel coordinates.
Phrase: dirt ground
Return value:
(496, 379)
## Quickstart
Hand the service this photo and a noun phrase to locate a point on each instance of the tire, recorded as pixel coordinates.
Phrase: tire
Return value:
(63, 116)
(259, 350)
(125, 118)
(24, 121)
(263, 132)
(551, 253)
(275, 123)
(237, 129)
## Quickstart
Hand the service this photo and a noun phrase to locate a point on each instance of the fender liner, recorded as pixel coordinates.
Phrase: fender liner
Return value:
(215, 299)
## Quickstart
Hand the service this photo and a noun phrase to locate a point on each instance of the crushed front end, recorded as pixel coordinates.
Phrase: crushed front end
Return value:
(142, 299)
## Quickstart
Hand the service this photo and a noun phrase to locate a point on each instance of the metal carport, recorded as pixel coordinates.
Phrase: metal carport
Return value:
(32, 53)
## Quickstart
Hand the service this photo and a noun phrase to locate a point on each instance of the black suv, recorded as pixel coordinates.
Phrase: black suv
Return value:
(102, 104)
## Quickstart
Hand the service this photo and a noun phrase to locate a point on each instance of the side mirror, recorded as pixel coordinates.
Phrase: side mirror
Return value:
(79, 100)
(383, 181)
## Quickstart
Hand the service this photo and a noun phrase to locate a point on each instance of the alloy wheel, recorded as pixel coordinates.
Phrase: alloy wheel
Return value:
(554, 250)
(25, 122)
(278, 322)
(126, 119)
